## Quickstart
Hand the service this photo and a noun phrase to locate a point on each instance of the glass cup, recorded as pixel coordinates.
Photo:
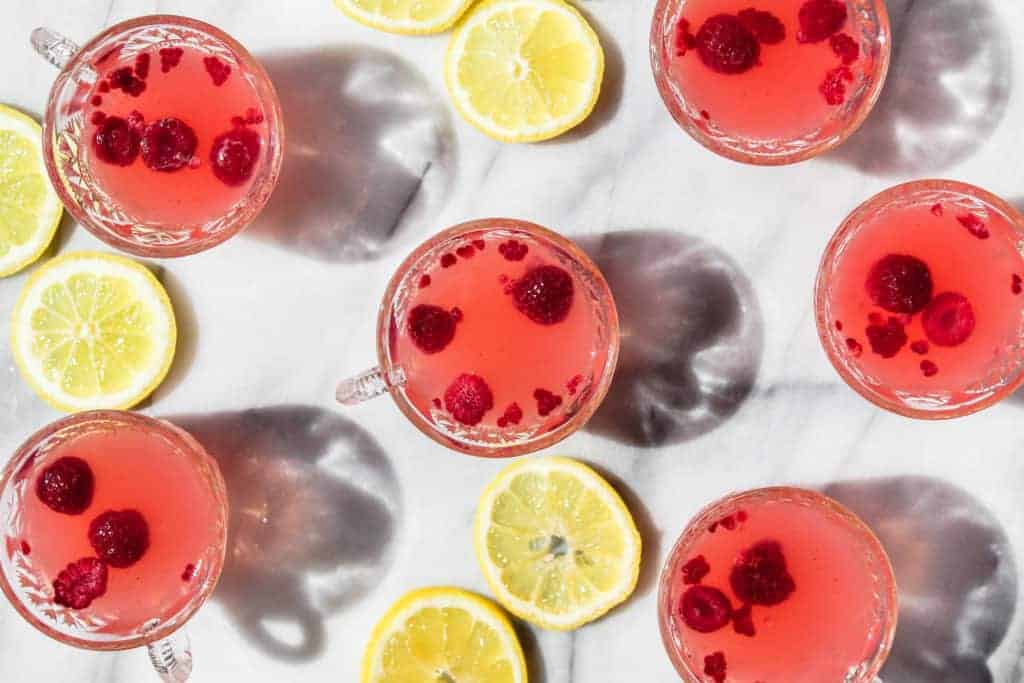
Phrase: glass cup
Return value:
(533, 383)
(758, 572)
(158, 606)
(900, 355)
(790, 145)
(112, 219)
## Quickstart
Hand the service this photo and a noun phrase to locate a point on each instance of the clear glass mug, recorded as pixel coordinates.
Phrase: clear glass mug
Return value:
(875, 45)
(30, 589)
(991, 363)
(64, 125)
(600, 343)
(742, 521)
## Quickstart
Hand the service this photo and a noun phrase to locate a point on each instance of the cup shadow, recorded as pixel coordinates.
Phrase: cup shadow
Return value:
(369, 147)
(315, 511)
(691, 337)
(947, 89)
(955, 570)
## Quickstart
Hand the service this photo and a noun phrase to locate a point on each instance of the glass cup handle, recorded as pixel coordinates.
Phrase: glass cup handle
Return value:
(53, 47)
(171, 657)
(367, 385)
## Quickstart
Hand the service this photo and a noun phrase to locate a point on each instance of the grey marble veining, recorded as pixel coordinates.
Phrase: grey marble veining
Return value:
(722, 385)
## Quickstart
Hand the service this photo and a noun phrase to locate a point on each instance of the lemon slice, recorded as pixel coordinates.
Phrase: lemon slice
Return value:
(29, 208)
(410, 17)
(443, 635)
(556, 543)
(524, 70)
(93, 330)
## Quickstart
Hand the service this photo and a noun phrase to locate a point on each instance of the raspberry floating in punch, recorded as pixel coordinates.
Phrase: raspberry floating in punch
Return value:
(770, 82)
(777, 584)
(918, 299)
(496, 337)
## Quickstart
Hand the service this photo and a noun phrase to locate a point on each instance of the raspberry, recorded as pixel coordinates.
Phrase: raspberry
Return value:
(974, 225)
(900, 284)
(169, 58)
(480, 245)
(468, 399)
(513, 250)
(168, 144)
(80, 583)
(66, 486)
(424, 281)
(26, 549)
(546, 401)
(742, 621)
(431, 328)
(1016, 284)
(846, 48)
(119, 537)
(544, 294)
(714, 666)
(448, 260)
(126, 80)
(839, 325)
(513, 415)
(819, 19)
(573, 385)
(189, 572)
(936, 209)
(760, 577)
(887, 340)
(115, 142)
(833, 87)
(765, 26)
(949, 319)
(705, 609)
(142, 65)
(218, 70)
(854, 346)
(727, 46)
(920, 347)
(695, 570)
(728, 522)
(685, 41)
(466, 251)
(929, 368)
(234, 155)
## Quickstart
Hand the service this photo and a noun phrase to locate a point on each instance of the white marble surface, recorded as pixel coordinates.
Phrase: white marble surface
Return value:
(723, 384)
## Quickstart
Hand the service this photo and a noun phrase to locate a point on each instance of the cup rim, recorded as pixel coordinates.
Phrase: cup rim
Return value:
(259, 192)
(850, 223)
(709, 512)
(563, 430)
(672, 101)
(181, 438)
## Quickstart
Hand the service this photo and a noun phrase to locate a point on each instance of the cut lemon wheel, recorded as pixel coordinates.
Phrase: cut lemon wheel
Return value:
(524, 70)
(411, 17)
(92, 331)
(29, 208)
(443, 634)
(556, 543)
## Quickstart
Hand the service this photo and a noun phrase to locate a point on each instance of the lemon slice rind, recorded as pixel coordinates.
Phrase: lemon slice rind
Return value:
(395, 620)
(628, 566)
(145, 290)
(48, 214)
(488, 14)
(404, 25)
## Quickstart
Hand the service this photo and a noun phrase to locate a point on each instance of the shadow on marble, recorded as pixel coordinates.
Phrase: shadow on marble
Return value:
(315, 511)
(536, 666)
(650, 535)
(369, 147)
(947, 90)
(610, 99)
(188, 333)
(692, 336)
(955, 570)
